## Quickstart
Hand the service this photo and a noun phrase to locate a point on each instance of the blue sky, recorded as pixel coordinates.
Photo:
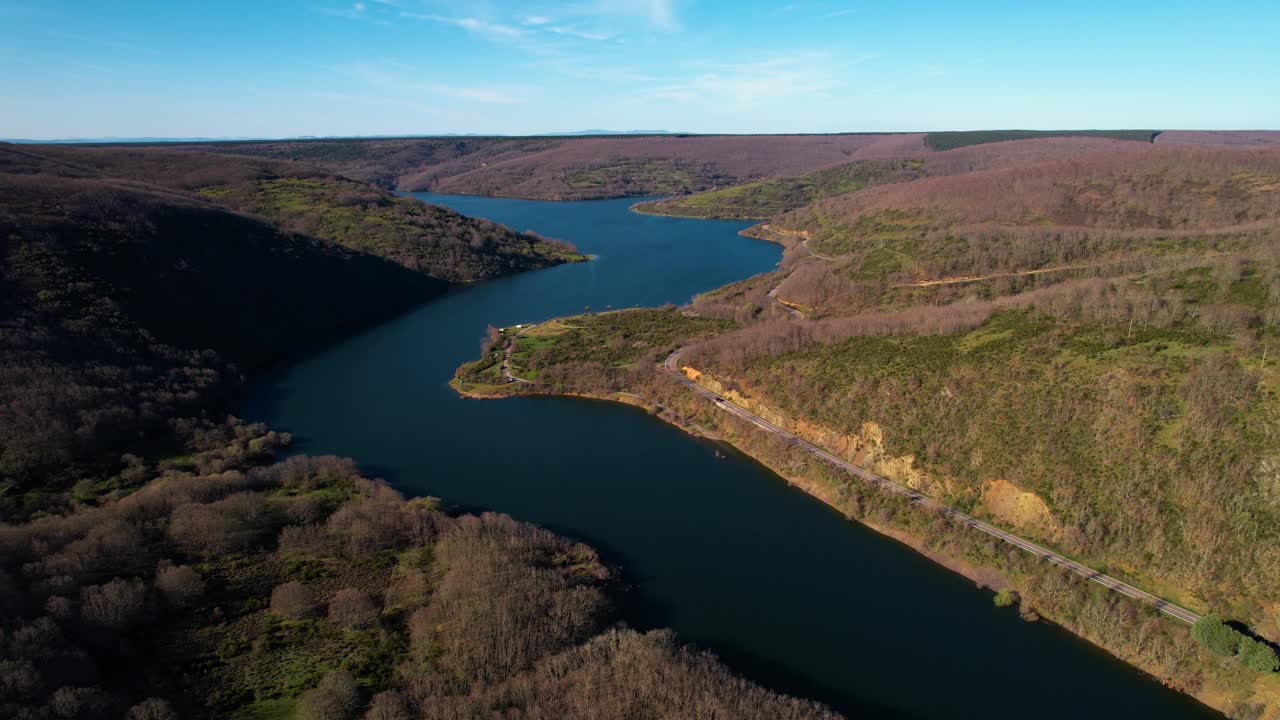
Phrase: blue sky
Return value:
(273, 68)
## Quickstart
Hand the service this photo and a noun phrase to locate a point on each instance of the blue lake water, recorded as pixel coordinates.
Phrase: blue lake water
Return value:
(710, 543)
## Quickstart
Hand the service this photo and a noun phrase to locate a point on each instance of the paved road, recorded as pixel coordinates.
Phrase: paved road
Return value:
(672, 365)
(773, 295)
(802, 234)
(813, 252)
(997, 276)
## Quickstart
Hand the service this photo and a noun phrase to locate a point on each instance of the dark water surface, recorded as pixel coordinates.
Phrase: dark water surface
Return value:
(717, 548)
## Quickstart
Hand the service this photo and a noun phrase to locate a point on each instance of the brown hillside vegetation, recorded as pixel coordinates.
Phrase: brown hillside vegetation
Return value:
(774, 196)
(1166, 200)
(303, 198)
(228, 586)
(1156, 187)
(1103, 348)
(581, 168)
(1220, 137)
(1015, 153)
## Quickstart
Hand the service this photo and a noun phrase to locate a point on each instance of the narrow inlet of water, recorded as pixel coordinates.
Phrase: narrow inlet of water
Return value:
(711, 544)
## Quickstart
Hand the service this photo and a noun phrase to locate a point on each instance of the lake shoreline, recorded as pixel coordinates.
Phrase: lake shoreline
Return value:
(643, 207)
(595, 471)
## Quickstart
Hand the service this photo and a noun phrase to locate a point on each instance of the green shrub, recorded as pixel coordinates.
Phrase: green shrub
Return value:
(1259, 655)
(1214, 633)
(233, 647)
(1005, 597)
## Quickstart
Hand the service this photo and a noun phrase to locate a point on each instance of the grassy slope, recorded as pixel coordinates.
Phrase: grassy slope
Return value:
(584, 352)
(766, 198)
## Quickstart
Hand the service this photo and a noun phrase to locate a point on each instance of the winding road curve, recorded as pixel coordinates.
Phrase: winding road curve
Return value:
(773, 295)
(672, 366)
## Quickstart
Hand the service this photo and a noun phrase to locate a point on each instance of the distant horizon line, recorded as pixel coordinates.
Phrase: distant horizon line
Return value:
(109, 139)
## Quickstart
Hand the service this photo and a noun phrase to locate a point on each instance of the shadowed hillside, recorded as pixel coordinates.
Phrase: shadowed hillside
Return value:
(125, 307)
(302, 198)
(156, 564)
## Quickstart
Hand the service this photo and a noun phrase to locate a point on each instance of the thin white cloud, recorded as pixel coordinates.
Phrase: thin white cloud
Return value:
(754, 83)
(659, 13)
(354, 12)
(396, 81)
(583, 69)
(536, 20)
(574, 32)
(471, 24)
(494, 96)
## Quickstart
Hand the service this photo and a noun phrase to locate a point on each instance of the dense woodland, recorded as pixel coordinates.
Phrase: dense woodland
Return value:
(957, 139)
(129, 315)
(305, 199)
(233, 586)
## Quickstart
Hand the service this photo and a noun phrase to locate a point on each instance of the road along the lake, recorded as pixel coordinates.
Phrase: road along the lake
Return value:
(672, 366)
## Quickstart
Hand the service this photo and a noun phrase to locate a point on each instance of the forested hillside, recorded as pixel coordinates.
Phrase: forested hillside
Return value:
(129, 312)
(579, 168)
(771, 197)
(1074, 339)
(1094, 208)
(305, 199)
(1090, 330)
(763, 199)
(231, 587)
(136, 294)
(949, 140)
